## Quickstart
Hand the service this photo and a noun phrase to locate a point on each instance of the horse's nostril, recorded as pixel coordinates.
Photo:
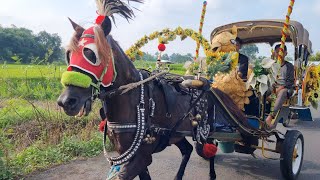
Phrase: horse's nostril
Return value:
(60, 103)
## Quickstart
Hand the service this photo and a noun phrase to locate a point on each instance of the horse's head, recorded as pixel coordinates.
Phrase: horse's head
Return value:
(90, 67)
(90, 59)
(225, 41)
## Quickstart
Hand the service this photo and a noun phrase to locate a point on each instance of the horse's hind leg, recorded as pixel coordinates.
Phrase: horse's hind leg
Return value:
(145, 175)
(186, 150)
(212, 170)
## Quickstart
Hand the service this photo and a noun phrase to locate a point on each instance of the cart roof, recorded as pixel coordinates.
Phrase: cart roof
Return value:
(267, 31)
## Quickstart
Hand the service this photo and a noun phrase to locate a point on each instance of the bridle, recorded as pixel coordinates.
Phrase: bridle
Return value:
(96, 87)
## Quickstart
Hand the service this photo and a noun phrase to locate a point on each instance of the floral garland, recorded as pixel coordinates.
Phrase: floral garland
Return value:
(165, 36)
(216, 61)
(311, 90)
(221, 62)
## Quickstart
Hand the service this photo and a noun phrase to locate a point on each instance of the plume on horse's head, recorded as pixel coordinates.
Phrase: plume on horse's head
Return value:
(110, 7)
(105, 9)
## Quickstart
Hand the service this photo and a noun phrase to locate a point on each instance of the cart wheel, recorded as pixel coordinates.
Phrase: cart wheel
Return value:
(292, 154)
(286, 122)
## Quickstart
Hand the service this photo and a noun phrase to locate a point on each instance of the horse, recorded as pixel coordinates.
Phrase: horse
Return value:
(139, 121)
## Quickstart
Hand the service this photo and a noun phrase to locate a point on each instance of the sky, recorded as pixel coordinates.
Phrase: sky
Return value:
(51, 16)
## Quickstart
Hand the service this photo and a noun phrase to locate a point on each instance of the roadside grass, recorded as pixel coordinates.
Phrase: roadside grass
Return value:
(33, 137)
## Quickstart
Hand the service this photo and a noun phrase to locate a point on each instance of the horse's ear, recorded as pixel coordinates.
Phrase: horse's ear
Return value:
(76, 27)
(106, 26)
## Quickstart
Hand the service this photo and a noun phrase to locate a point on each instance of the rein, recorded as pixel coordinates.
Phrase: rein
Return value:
(126, 88)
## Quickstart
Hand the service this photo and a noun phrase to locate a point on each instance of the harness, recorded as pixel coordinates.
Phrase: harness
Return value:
(145, 131)
(121, 128)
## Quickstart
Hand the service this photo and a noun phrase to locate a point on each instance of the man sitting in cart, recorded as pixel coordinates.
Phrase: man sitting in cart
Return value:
(283, 87)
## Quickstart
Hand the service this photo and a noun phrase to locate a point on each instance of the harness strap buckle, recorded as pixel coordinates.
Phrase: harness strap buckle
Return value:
(141, 105)
(152, 105)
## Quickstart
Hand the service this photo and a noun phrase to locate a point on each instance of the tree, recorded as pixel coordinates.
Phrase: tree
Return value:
(49, 46)
(250, 50)
(165, 57)
(315, 57)
(23, 43)
(148, 57)
(17, 42)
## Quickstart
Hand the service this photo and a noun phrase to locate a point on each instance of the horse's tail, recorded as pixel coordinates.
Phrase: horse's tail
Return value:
(228, 106)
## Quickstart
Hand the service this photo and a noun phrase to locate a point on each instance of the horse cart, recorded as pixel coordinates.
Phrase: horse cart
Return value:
(269, 31)
(290, 145)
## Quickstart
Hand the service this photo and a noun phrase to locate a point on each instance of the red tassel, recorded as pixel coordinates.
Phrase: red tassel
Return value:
(102, 124)
(209, 150)
(100, 19)
(69, 68)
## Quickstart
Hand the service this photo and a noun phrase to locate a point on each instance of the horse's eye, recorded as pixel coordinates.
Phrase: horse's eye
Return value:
(68, 56)
(90, 55)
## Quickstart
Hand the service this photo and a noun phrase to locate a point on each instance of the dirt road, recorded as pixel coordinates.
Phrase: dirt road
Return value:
(228, 166)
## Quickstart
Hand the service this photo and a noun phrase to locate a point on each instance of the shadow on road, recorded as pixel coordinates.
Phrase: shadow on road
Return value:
(249, 166)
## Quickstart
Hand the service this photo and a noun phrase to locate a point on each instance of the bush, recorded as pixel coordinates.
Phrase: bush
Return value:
(33, 137)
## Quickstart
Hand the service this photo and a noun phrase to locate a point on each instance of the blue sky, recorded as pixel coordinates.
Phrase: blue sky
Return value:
(154, 15)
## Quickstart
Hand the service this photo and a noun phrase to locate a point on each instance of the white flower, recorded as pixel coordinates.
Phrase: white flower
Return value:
(267, 63)
(264, 81)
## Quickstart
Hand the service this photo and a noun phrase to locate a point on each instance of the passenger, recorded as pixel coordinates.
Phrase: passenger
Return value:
(284, 84)
(243, 61)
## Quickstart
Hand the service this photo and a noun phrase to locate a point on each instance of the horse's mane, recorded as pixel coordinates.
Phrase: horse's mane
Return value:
(231, 106)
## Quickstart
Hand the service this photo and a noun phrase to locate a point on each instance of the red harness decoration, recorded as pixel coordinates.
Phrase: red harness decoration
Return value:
(79, 60)
(209, 150)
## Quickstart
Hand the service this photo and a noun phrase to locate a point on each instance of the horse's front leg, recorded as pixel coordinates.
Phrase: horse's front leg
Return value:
(136, 167)
(145, 175)
(186, 150)
(212, 170)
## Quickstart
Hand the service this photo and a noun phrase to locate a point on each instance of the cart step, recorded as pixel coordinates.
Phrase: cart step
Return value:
(225, 136)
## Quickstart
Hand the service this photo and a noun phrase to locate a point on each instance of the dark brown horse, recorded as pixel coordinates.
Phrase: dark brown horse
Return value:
(139, 121)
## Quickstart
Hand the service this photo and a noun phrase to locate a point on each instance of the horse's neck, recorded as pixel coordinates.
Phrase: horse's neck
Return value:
(122, 108)
(126, 72)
